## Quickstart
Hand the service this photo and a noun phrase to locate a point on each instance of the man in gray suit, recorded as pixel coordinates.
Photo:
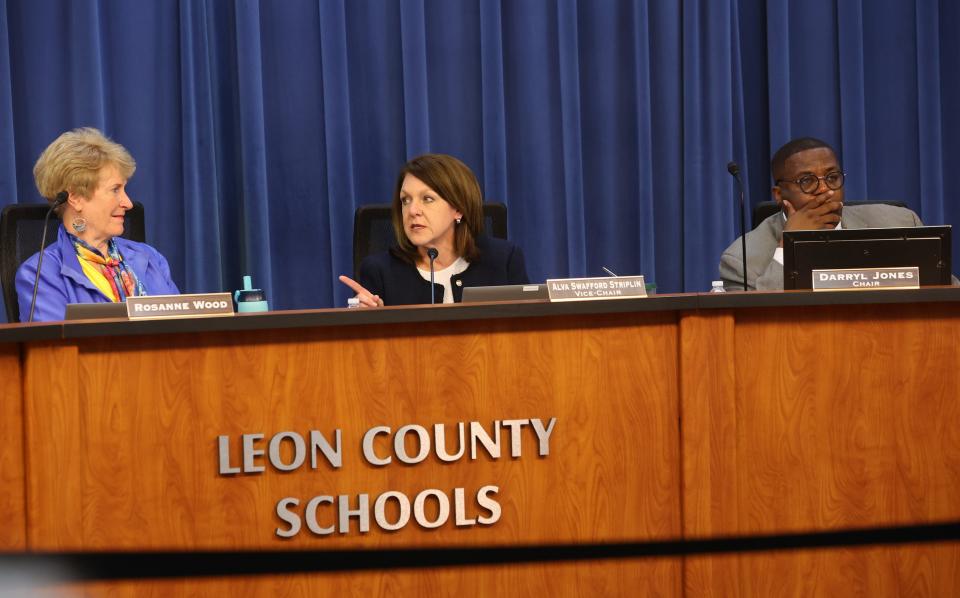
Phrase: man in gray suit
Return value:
(808, 186)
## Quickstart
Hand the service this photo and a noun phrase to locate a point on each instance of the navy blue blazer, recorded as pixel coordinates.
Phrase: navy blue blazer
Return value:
(398, 282)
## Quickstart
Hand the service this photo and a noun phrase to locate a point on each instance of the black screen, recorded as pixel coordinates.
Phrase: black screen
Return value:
(926, 247)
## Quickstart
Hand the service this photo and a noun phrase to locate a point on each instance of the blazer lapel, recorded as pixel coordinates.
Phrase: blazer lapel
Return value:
(851, 219)
(136, 261)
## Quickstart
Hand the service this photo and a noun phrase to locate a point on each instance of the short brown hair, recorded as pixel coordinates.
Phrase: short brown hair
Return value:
(73, 162)
(454, 182)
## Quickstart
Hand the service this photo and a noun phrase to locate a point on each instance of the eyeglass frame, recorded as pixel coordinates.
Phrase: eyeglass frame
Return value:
(843, 178)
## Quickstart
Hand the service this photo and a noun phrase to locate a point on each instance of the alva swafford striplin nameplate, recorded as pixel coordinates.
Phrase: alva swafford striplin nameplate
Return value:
(612, 287)
(855, 279)
(153, 307)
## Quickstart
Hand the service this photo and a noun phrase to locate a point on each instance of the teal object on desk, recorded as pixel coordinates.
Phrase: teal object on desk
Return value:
(250, 299)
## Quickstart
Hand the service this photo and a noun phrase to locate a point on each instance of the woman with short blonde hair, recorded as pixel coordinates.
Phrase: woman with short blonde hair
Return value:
(74, 160)
(83, 174)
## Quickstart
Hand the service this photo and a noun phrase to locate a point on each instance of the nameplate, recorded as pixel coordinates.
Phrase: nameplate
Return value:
(856, 279)
(588, 289)
(201, 305)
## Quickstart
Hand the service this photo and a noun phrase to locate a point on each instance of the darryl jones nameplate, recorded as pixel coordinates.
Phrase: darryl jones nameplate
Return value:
(179, 306)
(580, 289)
(850, 279)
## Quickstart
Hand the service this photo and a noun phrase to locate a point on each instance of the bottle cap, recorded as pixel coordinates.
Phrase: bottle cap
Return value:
(249, 299)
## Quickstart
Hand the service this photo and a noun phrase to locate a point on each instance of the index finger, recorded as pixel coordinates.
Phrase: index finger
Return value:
(353, 284)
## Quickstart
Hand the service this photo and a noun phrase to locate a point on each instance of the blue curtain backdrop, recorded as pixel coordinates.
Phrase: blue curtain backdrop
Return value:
(605, 126)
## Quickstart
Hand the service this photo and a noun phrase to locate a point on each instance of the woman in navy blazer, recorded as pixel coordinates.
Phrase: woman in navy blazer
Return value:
(437, 205)
(84, 176)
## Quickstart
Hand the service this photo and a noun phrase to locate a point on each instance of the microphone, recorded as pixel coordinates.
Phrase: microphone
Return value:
(432, 253)
(59, 201)
(734, 169)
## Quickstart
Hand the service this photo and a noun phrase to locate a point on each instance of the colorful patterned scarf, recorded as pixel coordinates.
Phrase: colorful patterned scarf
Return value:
(109, 274)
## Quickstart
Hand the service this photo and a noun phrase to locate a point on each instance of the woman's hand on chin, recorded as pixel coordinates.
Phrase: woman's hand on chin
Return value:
(367, 299)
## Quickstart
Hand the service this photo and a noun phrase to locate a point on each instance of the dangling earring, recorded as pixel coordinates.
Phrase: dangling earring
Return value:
(79, 224)
(458, 221)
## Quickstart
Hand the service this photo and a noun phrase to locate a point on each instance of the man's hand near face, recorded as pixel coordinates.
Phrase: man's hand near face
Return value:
(822, 212)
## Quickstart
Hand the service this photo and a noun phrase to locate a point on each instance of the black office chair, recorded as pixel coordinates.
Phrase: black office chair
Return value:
(765, 209)
(373, 231)
(21, 227)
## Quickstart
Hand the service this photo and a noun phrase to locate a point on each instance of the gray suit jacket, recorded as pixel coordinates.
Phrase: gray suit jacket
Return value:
(765, 274)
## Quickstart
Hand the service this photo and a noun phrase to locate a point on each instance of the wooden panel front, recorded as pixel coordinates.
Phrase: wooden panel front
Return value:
(13, 521)
(793, 420)
(135, 461)
(897, 570)
(588, 579)
(708, 435)
(845, 417)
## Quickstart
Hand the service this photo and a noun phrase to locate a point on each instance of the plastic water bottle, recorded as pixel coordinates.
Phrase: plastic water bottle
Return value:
(717, 287)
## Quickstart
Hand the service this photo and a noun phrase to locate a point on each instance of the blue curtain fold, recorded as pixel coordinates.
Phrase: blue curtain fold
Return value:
(929, 112)
(336, 139)
(254, 208)
(853, 128)
(197, 205)
(416, 82)
(493, 123)
(8, 138)
(571, 133)
(605, 125)
(643, 241)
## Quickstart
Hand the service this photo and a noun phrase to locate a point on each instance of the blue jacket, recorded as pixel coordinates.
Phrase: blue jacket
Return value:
(398, 282)
(62, 280)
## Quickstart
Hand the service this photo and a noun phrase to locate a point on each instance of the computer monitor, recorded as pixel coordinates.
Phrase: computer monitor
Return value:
(95, 311)
(508, 292)
(926, 247)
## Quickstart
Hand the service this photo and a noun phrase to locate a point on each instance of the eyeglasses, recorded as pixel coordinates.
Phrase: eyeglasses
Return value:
(809, 183)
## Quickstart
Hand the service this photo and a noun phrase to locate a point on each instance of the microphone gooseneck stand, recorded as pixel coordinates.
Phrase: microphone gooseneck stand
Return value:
(61, 199)
(432, 253)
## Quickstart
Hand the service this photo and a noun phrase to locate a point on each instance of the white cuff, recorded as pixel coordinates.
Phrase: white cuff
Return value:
(778, 255)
